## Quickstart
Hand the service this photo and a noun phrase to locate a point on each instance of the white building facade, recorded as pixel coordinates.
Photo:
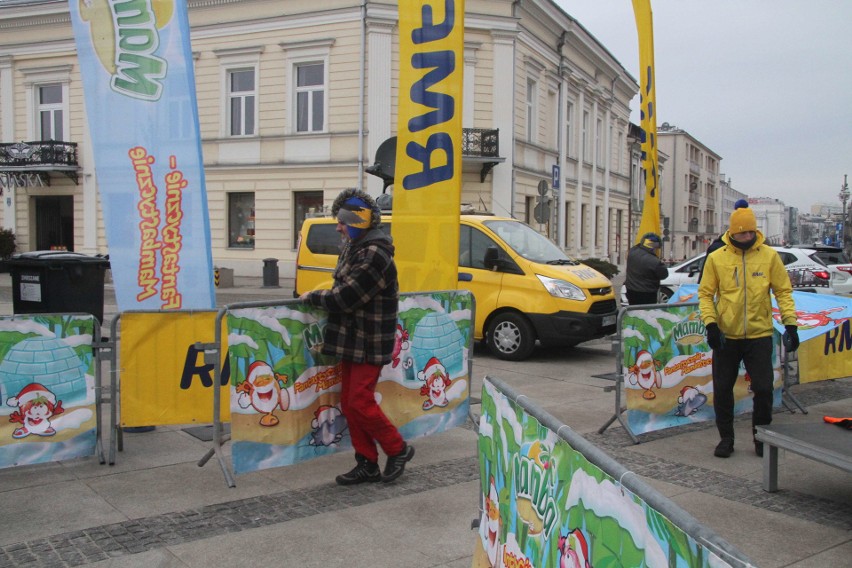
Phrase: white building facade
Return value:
(539, 92)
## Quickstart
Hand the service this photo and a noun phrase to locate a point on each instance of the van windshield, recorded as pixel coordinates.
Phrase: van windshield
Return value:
(528, 243)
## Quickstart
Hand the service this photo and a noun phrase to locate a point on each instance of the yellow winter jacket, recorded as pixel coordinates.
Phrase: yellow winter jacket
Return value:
(735, 286)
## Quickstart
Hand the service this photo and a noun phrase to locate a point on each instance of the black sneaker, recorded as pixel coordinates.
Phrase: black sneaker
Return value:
(725, 448)
(396, 464)
(364, 472)
(758, 448)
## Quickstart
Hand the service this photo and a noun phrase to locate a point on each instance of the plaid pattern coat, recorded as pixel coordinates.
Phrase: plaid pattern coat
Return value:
(362, 303)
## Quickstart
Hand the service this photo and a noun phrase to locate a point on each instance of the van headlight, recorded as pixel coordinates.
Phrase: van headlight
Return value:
(561, 288)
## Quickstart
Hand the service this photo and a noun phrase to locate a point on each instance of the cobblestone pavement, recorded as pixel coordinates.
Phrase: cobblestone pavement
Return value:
(134, 536)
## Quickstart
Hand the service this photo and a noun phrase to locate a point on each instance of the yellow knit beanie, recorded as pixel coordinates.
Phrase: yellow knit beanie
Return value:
(742, 220)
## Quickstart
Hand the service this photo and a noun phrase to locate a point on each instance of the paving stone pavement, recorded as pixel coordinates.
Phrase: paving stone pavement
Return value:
(138, 535)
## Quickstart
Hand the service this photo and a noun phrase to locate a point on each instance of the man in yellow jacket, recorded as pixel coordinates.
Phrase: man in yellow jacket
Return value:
(736, 308)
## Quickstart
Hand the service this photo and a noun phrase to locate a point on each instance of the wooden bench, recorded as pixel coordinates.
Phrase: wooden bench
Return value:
(826, 443)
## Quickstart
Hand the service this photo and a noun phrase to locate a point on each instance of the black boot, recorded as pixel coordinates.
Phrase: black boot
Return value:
(725, 448)
(364, 472)
(396, 464)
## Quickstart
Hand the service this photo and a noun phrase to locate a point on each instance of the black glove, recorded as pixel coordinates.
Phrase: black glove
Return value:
(715, 337)
(790, 338)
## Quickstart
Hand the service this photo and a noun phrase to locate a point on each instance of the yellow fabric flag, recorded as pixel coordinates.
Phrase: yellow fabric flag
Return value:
(650, 222)
(428, 175)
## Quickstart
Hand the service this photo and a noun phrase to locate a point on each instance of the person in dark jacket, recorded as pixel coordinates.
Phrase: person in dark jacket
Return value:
(645, 270)
(362, 310)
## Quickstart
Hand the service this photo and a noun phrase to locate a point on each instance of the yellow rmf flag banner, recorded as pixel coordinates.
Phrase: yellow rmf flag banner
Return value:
(650, 222)
(428, 174)
(164, 379)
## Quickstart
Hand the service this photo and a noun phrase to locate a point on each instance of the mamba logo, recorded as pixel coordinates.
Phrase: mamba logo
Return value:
(533, 470)
(690, 331)
(125, 35)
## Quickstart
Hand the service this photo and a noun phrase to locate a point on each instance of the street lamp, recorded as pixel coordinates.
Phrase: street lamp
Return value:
(844, 197)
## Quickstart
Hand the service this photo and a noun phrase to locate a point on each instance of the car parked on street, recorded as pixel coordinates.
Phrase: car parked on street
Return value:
(807, 273)
(838, 263)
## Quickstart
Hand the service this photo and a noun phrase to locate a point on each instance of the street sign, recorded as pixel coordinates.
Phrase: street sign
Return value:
(542, 212)
(542, 188)
(555, 182)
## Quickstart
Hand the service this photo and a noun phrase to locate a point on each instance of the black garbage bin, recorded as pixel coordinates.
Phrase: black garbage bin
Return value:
(49, 281)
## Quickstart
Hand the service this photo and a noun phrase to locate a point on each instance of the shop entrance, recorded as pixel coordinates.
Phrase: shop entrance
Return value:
(54, 222)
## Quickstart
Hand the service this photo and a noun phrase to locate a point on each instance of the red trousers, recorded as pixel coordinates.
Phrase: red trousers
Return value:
(368, 425)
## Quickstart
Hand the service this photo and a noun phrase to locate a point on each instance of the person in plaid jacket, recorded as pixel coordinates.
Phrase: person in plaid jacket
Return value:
(362, 310)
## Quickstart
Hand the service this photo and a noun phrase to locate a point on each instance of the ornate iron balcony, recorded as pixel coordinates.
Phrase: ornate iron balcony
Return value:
(30, 163)
(482, 145)
(47, 153)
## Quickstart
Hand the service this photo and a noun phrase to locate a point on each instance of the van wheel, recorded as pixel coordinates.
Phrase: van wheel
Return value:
(511, 337)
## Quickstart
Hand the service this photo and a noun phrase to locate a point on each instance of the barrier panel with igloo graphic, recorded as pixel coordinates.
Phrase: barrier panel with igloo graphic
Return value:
(285, 393)
(48, 385)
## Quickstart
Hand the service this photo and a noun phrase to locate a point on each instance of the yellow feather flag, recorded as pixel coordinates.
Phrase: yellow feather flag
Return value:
(650, 222)
(428, 174)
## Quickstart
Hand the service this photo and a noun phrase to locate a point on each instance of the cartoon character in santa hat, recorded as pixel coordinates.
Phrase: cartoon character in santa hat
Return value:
(328, 426)
(262, 391)
(689, 401)
(36, 406)
(437, 382)
(400, 344)
(574, 550)
(645, 373)
(489, 526)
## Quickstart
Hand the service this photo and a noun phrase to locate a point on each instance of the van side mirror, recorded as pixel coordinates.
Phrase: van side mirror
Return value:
(492, 260)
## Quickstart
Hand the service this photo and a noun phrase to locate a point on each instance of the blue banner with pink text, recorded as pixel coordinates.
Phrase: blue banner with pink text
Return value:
(136, 66)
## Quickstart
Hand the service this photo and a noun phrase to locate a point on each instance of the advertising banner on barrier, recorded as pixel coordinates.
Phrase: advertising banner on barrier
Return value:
(137, 70)
(546, 505)
(667, 369)
(285, 394)
(47, 389)
(428, 177)
(164, 379)
(824, 330)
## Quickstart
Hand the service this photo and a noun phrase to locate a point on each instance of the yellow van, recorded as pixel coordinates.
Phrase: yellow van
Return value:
(526, 288)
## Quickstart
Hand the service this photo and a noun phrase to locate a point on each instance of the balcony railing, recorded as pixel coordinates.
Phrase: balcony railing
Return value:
(482, 145)
(711, 228)
(32, 155)
(693, 226)
(480, 142)
(29, 164)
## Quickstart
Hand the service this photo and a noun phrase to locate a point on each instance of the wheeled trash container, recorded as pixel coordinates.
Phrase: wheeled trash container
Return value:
(49, 281)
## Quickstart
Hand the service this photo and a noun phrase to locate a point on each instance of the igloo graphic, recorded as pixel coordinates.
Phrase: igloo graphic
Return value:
(44, 360)
(437, 335)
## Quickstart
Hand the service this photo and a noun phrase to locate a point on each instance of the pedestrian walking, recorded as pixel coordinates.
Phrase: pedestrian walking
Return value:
(362, 310)
(736, 308)
(645, 270)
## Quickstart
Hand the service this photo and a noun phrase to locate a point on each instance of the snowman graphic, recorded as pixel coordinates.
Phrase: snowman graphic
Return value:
(262, 391)
(36, 405)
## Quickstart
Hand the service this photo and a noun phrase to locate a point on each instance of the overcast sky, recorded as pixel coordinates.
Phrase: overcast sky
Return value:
(766, 84)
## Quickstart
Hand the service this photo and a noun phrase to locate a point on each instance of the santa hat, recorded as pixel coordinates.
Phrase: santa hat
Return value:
(582, 548)
(31, 392)
(258, 368)
(432, 367)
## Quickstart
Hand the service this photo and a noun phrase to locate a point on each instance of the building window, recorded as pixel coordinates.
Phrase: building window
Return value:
(310, 97)
(305, 204)
(50, 112)
(241, 228)
(242, 96)
(587, 148)
(584, 225)
(569, 128)
(599, 141)
(531, 110)
(529, 214)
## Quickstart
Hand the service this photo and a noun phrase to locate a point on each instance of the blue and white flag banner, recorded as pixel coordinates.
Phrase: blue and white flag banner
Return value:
(136, 65)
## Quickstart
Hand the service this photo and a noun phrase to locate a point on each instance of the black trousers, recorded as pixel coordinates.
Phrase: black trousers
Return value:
(756, 354)
(635, 298)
